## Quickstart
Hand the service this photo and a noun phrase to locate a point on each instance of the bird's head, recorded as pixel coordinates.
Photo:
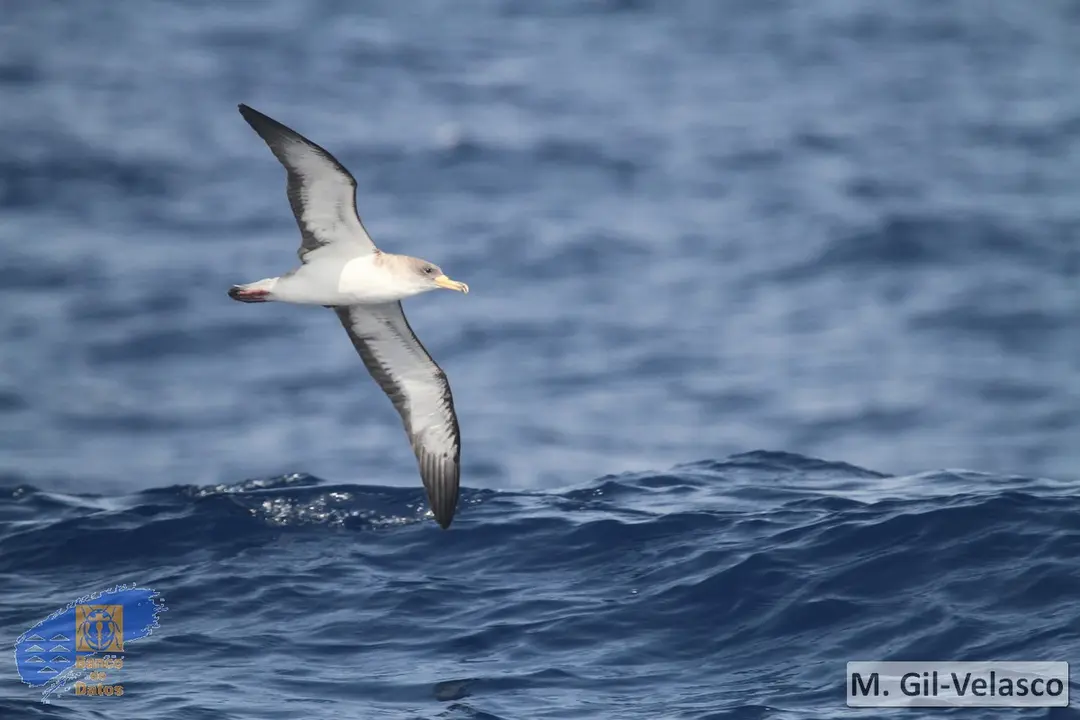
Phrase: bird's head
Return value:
(432, 276)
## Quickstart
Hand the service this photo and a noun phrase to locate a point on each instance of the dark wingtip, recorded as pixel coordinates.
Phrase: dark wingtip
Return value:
(442, 482)
(257, 119)
(251, 114)
(443, 509)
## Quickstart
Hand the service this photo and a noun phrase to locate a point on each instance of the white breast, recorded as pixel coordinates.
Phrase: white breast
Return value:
(364, 280)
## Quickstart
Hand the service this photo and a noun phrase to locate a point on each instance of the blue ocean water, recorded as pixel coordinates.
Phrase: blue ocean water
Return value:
(708, 243)
(719, 589)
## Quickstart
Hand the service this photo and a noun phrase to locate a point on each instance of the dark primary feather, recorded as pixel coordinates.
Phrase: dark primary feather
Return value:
(322, 193)
(418, 388)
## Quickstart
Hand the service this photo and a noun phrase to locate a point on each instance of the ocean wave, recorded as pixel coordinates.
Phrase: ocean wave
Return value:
(691, 578)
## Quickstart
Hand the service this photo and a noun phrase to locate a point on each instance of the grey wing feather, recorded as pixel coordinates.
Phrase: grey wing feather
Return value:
(322, 193)
(418, 388)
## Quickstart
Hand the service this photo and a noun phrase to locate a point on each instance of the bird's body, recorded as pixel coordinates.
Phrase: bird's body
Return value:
(341, 268)
(331, 281)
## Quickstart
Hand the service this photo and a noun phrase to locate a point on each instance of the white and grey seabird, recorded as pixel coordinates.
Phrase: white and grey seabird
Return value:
(342, 269)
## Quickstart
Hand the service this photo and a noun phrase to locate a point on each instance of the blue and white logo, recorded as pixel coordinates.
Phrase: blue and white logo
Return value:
(82, 646)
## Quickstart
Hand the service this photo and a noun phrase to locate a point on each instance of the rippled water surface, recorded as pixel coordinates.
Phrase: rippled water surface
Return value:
(707, 242)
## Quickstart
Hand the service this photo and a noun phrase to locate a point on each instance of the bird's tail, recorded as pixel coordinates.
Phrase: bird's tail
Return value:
(259, 291)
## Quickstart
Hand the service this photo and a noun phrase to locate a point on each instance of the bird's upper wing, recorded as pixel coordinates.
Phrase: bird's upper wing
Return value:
(321, 191)
(420, 392)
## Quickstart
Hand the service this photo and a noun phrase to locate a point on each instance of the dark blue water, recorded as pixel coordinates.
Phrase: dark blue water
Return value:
(692, 231)
(717, 589)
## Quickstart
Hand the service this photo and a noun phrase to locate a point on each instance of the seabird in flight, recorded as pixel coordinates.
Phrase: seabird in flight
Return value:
(342, 269)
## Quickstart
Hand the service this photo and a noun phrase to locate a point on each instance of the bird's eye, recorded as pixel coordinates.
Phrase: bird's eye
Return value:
(429, 269)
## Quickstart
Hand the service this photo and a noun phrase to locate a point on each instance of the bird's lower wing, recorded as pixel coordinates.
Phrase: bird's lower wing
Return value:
(418, 388)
